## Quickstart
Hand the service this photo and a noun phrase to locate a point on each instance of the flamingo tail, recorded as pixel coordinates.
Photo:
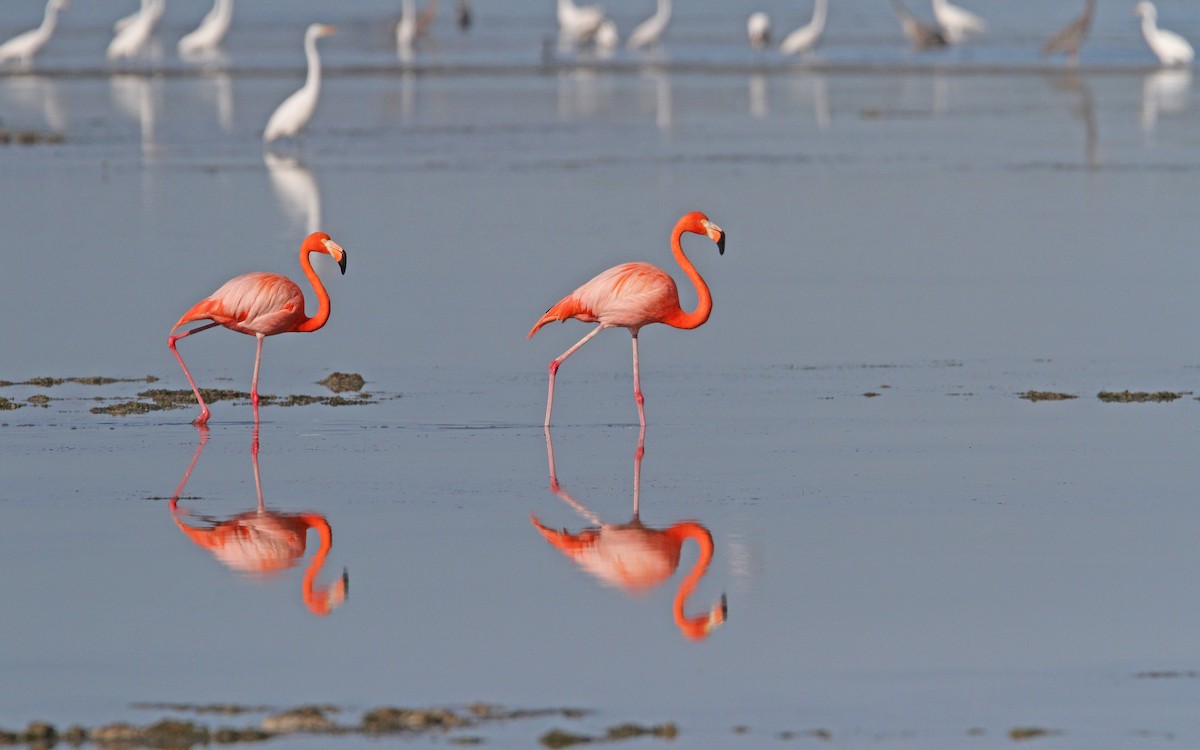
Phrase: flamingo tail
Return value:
(205, 309)
(568, 307)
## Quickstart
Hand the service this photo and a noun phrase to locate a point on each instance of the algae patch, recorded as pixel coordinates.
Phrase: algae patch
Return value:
(1045, 396)
(1139, 397)
(340, 382)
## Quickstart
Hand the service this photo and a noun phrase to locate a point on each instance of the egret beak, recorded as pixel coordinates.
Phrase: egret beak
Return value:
(337, 253)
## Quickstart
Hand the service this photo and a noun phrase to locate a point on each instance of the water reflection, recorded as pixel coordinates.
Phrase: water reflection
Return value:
(1164, 92)
(263, 542)
(138, 98)
(296, 189)
(633, 556)
(1084, 109)
(39, 93)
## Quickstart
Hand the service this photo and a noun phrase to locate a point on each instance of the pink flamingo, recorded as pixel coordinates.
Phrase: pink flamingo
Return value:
(263, 542)
(633, 295)
(635, 557)
(260, 305)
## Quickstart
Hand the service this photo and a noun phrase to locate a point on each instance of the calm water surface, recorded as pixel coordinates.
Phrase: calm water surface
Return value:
(899, 569)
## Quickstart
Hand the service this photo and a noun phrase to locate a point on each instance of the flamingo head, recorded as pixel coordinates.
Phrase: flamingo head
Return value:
(319, 242)
(701, 225)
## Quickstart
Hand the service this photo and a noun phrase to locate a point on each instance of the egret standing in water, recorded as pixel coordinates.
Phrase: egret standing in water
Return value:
(25, 45)
(134, 35)
(1171, 48)
(758, 28)
(650, 31)
(957, 22)
(295, 112)
(805, 38)
(212, 29)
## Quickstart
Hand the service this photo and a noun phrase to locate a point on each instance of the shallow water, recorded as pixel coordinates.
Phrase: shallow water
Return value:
(899, 569)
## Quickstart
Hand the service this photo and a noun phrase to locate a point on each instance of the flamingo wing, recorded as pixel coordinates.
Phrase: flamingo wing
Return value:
(629, 295)
(254, 303)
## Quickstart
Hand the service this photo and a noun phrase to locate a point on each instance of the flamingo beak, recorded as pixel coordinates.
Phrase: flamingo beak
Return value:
(716, 234)
(335, 250)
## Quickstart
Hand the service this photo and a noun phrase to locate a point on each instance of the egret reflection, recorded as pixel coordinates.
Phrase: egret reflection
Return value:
(1164, 92)
(263, 542)
(34, 93)
(635, 557)
(297, 190)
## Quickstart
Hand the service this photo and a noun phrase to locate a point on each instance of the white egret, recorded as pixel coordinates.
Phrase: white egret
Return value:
(212, 29)
(132, 38)
(650, 31)
(957, 22)
(295, 112)
(805, 38)
(25, 45)
(1171, 48)
(606, 38)
(406, 27)
(579, 23)
(758, 28)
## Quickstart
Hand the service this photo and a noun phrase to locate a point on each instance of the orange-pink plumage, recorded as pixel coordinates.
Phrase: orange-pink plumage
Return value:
(261, 304)
(633, 295)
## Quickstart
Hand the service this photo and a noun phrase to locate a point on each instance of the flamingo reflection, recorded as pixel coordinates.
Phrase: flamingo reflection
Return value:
(262, 542)
(633, 556)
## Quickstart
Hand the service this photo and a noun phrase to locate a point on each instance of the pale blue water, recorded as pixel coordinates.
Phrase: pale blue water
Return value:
(899, 569)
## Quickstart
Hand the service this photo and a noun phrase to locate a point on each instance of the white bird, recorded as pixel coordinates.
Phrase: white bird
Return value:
(606, 38)
(295, 112)
(957, 22)
(650, 31)
(211, 31)
(579, 23)
(1171, 48)
(126, 20)
(805, 38)
(406, 27)
(758, 28)
(25, 45)
(132, 38)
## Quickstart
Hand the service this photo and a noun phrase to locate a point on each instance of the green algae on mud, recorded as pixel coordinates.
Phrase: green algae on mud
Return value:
(161, 399)
(339, 382)
(1139, 397)
(178, 734)
(1045, 396)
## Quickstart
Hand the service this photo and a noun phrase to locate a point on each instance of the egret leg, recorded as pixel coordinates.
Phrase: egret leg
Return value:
(555, 363)
(254, 381)
(637, 385)
(201, 420)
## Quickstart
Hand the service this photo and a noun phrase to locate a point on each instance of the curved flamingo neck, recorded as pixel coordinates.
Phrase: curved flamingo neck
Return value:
(318, 320)
(696, 318)
(318, 600)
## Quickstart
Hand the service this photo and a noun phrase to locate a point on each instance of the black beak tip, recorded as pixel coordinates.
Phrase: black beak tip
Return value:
(721, 244)
(342, 263)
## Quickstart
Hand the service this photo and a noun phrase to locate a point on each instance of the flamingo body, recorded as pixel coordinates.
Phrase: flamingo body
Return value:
(805, 38)
(633, 295)
(25, 45)
(294, 113)
(211, 31)
(260, 305)
(1171, 48)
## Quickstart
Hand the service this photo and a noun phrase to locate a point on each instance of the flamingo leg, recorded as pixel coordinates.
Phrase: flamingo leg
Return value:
(201, 420)
(254, 381)
(555, 363)
(637, 385)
